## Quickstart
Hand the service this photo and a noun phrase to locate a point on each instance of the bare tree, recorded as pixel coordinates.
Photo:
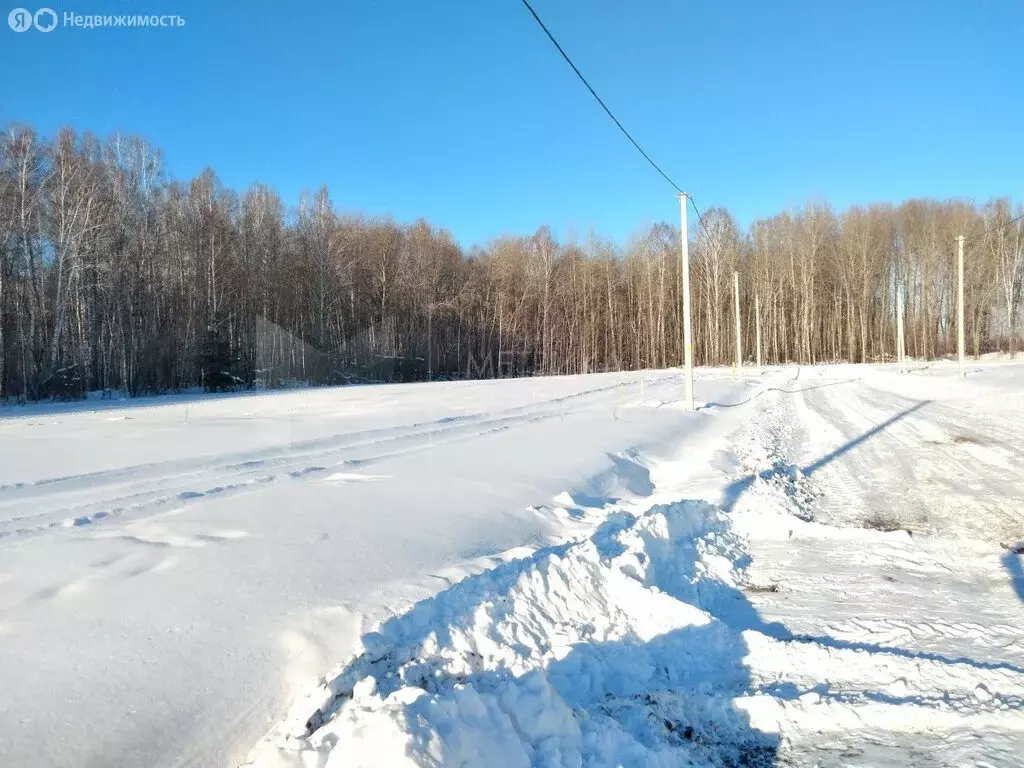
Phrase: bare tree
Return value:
(113, 276)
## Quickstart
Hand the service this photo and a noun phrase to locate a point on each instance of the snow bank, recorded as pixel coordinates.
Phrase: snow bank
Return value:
(593, 653)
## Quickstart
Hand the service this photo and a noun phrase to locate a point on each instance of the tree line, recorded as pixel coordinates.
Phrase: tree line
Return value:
(115, 277)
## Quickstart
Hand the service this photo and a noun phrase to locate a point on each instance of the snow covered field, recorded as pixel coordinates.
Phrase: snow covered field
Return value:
(816, 568)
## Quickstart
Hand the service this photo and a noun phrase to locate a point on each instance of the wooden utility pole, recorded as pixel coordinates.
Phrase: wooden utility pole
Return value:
(687, 327)
(757, 328)
(739, 340)
(900, 339)
(960, 303)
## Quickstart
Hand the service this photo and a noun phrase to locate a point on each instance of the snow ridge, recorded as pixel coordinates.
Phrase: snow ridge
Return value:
(598, 652)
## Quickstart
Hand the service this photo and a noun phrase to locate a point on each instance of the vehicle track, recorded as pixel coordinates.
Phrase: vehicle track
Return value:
(58, 503)
(923, 471)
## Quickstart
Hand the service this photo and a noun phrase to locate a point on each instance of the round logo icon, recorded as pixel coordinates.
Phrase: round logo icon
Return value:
(20, 19)
(45, 20)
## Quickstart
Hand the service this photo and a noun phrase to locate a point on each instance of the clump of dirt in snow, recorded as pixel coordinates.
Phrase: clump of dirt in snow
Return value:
(884, 523)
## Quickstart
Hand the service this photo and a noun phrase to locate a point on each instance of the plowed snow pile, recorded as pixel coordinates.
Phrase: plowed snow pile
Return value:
(594, 653)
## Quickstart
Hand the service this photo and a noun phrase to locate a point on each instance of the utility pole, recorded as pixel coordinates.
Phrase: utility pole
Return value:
(739, 340)
(687, 329)
(960, 303)
(757, 327)
(900, 340)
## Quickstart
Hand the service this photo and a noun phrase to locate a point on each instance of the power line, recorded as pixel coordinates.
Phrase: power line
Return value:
(700, 219)
(654, 165)
(986, 232)
(593, 93)
(551, 37)
(968, 239)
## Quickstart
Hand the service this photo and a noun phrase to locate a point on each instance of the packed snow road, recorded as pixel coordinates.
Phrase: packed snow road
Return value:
(886, 624)
(818, 567)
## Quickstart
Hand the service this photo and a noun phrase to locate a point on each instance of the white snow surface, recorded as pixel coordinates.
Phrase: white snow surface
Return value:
(818, 567)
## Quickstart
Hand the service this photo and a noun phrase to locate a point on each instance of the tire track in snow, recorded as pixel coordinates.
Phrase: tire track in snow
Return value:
(901, 651)
(69, 502)
(916, 473)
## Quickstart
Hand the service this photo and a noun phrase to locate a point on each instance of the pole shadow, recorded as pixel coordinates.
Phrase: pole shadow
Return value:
(1012, 562)
(737, 488)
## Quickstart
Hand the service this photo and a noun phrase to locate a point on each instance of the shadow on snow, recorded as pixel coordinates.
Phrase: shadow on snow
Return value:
(738, 487)
(1012, 562)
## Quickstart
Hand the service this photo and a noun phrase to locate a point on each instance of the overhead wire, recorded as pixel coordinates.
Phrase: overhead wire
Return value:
(987, 232)
(636, 144)
(600, 101)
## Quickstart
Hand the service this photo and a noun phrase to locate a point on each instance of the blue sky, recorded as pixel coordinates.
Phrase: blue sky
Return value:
(461, 111)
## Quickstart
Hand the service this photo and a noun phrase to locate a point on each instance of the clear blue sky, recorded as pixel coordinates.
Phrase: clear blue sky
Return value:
(461, 111)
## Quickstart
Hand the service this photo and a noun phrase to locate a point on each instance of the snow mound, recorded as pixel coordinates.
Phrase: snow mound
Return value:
(598, 652)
